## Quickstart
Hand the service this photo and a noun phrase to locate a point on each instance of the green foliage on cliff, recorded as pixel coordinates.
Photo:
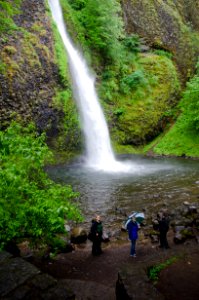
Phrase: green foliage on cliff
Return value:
(190, 102)
(61, 59)
(104, 28)
(31, 205)
(98, 27)
(146, 95)
(7, 10)
(183, 137)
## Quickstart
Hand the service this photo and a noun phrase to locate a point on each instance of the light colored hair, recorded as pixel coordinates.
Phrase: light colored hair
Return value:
(98, 218)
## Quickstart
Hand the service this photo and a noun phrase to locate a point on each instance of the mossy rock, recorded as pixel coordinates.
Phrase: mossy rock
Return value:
(145, 109)
(169, 25)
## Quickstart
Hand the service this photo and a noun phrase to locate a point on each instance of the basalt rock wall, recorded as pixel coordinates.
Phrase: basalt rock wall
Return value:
(168, 25)
(28, 71)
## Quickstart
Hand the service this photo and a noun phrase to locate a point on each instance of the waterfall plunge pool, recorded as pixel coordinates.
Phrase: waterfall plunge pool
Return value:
(151, 183)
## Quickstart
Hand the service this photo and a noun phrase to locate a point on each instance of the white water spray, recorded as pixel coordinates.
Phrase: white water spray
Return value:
(99, 154)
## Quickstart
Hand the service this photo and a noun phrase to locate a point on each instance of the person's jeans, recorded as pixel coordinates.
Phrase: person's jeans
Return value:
(133, 244)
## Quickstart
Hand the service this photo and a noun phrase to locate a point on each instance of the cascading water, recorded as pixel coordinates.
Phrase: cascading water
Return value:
(99, 154)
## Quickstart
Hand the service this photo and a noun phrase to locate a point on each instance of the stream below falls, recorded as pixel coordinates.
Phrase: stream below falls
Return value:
(150, 184)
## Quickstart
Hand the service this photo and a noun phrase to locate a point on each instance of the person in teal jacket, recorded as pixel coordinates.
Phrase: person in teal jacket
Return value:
(132, 229)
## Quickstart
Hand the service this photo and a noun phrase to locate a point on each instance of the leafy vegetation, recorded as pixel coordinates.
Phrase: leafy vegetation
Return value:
(7, 10)
(61, 59)
(190, 101)
(31, 205)
(103, 26)
(153, 272)
(183, 139)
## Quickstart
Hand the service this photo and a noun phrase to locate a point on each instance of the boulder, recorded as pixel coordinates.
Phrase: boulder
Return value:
(179, 238)
(78, 235)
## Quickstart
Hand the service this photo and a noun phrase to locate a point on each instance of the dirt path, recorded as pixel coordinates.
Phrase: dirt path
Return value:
(180, 281)
(95, 277)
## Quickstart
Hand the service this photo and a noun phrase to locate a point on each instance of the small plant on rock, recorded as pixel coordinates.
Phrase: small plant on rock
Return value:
(154, 271)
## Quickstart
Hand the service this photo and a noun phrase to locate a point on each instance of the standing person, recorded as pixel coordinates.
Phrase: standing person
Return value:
(132, 228)
(96, 233)
(163, 222)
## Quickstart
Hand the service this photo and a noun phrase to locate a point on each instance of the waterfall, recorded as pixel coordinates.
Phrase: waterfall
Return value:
(99, 154)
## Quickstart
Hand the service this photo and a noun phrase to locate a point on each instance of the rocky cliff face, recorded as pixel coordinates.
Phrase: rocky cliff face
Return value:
(29, 73)
(165, 24)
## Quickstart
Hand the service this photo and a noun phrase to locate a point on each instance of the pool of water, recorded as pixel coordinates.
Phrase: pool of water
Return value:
(149, 184)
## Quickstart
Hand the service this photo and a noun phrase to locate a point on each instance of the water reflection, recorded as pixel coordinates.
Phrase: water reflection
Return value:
(157, 181)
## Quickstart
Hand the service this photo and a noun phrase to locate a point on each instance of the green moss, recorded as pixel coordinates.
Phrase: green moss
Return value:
(121, 149)
(2, 67)
(181, 140)
(39, 29)
(146, 104)
(70, 136)
(8, 10)
(10, 50)
(12, 66)
(31, 46)
(61, 58)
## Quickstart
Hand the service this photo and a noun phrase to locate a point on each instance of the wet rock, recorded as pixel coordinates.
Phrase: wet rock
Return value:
(134, 284)
(154, 238)
(78, 235)
(178, 228)
(179, 238)
(4, 257)
(116, 233)
(67, 228)
(192, 209)
(21, 280)
(14, 273)
(12, 248)
(105, 237)
(60, 291)
(183, 233)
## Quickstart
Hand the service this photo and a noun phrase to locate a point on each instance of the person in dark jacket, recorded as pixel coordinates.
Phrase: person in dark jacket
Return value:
(132, 228)
(96, 233)
(163, 224)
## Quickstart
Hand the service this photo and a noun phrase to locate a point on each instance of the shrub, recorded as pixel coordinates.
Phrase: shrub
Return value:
(190, 101)
(132, 43)
(133, 81)
(31, 205)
